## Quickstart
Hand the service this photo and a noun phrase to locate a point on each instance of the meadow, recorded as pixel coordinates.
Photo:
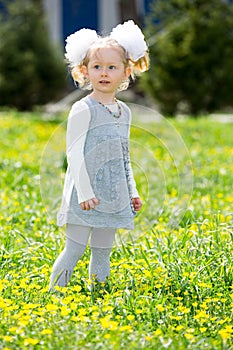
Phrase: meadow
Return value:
(171, 283)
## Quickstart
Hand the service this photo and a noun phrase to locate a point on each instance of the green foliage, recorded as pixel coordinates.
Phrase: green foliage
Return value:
(31, 70)
(169, 288)
(191, 50)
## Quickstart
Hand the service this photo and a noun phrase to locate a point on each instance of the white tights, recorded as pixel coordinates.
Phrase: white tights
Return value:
(76, 241)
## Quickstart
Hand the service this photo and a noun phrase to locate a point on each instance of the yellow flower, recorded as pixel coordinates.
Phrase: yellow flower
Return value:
(7, 338)
(148, 337)
(213, 318)
(95, 315)
(51, 307)
(125, 328)
(139, 311)
(30, 306)
(73, 306)
(193, 227)
(77, 288)
(189, 336)
(201, 314)
(82, 312)
(31, 341)
(106, 323)
(67, 300)
(179, 298)
(177, 318)
(130, 317)
(107, 308)
(204, 306)
(65, 311)
(46, 331)
(204, 285)
(158, 332)
(23, 321)
(147, 273)
(224, 334)
(107, 336)
(160, 307)
(13, 329)
(183, 309)
(229, 329)
(203, 329)
(227, 319)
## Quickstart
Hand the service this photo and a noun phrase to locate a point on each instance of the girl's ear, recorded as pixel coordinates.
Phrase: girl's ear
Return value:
(84, 71)
(127, 72)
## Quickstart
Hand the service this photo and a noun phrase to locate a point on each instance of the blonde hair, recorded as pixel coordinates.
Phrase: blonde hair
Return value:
(136, 67)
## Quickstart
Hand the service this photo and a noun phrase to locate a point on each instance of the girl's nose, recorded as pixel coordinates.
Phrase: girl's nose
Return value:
(104, 72)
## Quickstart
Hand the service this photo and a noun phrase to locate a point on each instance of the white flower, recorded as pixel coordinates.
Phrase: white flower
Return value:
(78, 43)
(130, 36)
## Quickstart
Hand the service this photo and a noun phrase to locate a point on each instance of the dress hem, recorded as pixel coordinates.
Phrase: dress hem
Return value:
(63, 219)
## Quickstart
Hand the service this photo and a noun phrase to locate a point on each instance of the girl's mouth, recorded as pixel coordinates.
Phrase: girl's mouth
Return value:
(104, 82)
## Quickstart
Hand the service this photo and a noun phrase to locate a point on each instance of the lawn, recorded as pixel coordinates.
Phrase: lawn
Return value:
(171, 283)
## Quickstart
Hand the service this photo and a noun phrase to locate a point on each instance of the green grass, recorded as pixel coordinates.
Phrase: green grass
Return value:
(171, 284)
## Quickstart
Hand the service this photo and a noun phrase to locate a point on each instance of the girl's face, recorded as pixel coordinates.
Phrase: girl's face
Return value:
(106, 70)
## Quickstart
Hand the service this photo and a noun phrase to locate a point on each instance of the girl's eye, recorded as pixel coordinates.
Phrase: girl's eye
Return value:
(112, 67)
(96, 66)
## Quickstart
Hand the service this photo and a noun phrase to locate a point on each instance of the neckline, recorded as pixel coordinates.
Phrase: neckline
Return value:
(109, 110)
(106, 104)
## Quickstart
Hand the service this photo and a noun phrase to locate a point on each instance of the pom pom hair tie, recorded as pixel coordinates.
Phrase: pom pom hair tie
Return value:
(128, 35)
(77, 45)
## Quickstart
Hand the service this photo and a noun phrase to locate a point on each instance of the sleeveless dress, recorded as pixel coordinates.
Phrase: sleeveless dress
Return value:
(107, 162)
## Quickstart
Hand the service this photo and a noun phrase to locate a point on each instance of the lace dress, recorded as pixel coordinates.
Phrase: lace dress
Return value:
(100, 167)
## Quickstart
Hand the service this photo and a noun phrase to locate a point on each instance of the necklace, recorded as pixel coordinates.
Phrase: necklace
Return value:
(117, 116)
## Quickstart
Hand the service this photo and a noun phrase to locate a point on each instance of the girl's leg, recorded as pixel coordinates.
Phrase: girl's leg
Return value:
(76, 241)
(101, 246)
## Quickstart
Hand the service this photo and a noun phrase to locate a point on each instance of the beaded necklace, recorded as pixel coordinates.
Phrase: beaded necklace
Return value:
(117, 116)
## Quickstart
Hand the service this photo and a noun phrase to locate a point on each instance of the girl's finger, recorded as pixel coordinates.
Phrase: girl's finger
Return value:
(91, 204)
(95, 200)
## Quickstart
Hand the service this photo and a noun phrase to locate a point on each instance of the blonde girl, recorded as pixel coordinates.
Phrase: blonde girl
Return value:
(100, 193)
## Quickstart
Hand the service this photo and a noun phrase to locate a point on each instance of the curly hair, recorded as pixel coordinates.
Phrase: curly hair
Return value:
(136, 67)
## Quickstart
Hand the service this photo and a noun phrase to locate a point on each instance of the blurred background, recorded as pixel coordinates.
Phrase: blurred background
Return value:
(66, 17)
(190, 42)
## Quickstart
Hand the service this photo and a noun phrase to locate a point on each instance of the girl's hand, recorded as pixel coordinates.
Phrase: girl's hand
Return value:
(89, 204)
(137, 204)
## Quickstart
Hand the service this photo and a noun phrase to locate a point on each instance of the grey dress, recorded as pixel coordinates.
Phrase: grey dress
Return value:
(107, 161)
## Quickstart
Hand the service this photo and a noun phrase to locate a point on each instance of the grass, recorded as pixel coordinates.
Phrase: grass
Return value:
(171, 283)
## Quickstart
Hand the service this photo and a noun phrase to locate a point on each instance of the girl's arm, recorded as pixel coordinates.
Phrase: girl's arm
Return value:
(77, 128)
(132, 183)
(136, 201)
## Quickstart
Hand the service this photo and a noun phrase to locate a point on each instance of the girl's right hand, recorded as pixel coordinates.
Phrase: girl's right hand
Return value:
(89, 204)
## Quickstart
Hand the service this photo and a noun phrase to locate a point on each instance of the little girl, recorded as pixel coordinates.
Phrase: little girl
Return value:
(99, 194)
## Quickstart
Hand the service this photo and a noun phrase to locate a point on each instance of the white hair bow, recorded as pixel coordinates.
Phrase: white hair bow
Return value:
(128, 35)
(77, 45)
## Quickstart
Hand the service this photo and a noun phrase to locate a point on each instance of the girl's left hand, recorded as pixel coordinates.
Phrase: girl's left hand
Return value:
(137, 204)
